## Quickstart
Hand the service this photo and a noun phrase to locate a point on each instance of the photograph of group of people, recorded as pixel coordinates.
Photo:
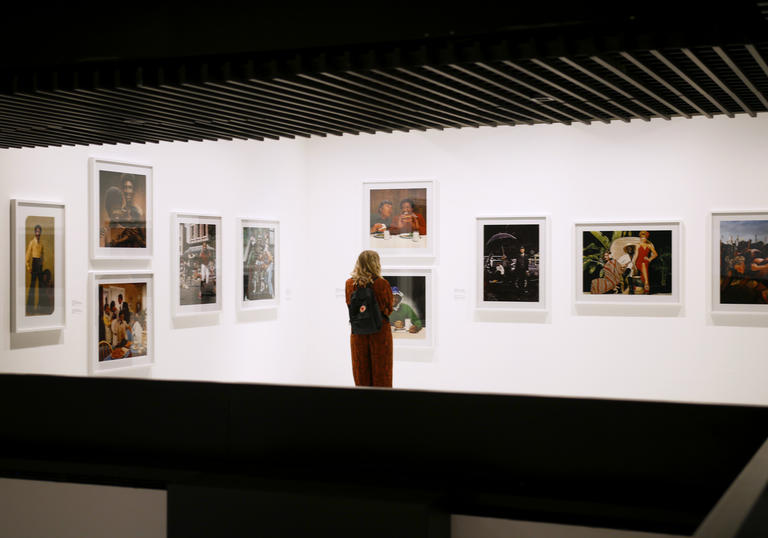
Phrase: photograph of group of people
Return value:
(122, 326)
(511, 262)
(258, 263)
(122, 210)
(197, 263)
(627, 262)
(743, 263)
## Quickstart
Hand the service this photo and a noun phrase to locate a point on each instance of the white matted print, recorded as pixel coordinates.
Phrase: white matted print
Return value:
(628, 263)
(122, 320)
(399, 218)
(412, 320)
(196, 263)
(512, 263)
(121, 214)
(258, 262)
(740, 261)
(38, 286)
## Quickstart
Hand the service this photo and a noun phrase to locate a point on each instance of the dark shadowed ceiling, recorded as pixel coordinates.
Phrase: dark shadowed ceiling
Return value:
(120, 75)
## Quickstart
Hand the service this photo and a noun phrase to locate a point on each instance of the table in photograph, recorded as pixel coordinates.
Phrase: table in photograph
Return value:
(403, 334)
(395, 241)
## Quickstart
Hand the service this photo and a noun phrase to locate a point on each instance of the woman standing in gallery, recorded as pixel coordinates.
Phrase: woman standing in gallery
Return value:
(372, 353)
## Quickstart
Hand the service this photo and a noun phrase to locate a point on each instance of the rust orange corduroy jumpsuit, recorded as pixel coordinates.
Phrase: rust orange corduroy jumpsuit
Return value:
(372, 353)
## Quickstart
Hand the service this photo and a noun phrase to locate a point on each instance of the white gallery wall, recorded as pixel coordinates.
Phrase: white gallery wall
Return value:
(231, 179)
(659, 170)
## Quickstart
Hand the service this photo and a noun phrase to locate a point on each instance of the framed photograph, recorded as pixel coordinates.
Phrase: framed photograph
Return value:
(399, 218)
(258, 262)
(122, 322)
(121, 210)
(740, 261)
(412, 321)
(196, 263)
(512, 263)
(620, 262)
(37, 266)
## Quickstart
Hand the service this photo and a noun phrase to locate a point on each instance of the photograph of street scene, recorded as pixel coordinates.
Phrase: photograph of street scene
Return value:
(197, 263)
(744, 262)
(511, 261)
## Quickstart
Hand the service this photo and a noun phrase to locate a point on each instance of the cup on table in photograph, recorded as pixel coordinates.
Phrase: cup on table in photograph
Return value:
(386, 232)
(408, 324)
(415, 235)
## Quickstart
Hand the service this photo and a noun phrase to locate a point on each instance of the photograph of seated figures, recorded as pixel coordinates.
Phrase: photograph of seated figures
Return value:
(627, 262)
(409, 314)
(123, 322)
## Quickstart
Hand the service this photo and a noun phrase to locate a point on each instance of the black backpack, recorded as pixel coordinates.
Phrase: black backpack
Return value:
(364, 313)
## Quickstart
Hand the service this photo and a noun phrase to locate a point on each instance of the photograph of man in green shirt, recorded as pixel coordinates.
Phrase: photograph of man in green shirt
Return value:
(403, 311)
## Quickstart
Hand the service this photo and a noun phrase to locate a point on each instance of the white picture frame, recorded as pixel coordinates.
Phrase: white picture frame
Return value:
(738, 247)
(400, 244)
(666, 233)
(257, 285)
(113, 183)
(138, 349)
(48, 309)
(413, 282)
(196, 283)
(499, 287)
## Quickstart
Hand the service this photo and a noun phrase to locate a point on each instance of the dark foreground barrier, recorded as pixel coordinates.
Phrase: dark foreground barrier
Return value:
(288, 460)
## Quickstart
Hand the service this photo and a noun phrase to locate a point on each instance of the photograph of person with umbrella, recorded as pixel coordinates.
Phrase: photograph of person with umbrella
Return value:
(511, 259)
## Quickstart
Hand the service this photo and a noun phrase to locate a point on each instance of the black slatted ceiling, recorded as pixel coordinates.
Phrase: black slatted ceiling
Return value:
(470, 84)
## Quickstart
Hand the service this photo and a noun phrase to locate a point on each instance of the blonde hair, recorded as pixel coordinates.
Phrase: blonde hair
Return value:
(367, 268)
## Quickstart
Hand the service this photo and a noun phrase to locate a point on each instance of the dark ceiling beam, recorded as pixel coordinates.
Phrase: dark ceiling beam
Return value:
(607, 84)
(748, 83)
(600, 95)
(203, 110)
(480, 119)
(677, 93)
(229, 110)
(663, 59)
(40, 137)
(359, 114)
(31, 115)
(394, 95)
(691, 56)
(332, 111)
(279, 112)
(445, 108)
(538, 118)
(619, 73)
(328, 119)
(493, 113)
(758, 58)
(426, 120)
(559, 88)
(511, 90)
(608, 67)
(122, 109)
(397, 120)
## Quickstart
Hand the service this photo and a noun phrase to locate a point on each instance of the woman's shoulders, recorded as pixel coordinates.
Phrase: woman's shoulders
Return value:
(381, 282)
